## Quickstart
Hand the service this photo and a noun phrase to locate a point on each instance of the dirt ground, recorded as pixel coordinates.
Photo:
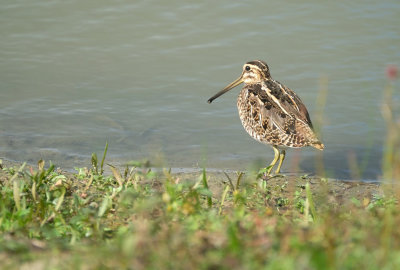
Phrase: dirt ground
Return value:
(332, 190)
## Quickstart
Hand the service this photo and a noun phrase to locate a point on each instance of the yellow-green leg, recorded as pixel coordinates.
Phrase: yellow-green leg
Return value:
(281, 158)
(277, 154)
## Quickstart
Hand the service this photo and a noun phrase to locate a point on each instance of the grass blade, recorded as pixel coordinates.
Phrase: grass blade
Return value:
(205, 184)
(311, 202)
(16, 174)
(104, 157)
(105, 205)
(117, 175)
(223, 198)
(60, 199)
(95, 163)
(16, 195)
(230, 181)
(238, 180)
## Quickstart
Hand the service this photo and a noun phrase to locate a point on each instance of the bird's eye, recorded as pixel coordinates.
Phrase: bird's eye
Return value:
(247, 68)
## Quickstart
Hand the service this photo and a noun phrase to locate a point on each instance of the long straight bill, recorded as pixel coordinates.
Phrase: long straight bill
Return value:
(226, 89)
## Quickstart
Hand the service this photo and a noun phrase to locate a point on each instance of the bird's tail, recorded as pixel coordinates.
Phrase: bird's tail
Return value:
(319, 145)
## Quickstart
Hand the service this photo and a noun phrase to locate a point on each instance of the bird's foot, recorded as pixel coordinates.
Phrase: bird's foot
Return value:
(264, 173)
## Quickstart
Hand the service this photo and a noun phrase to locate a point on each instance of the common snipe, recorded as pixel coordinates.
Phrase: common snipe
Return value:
(271, 112)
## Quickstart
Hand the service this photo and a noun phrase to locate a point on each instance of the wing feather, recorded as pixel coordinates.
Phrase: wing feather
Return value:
(288, 100)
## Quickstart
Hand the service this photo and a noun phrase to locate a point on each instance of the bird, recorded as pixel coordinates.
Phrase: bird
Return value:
(272, 113)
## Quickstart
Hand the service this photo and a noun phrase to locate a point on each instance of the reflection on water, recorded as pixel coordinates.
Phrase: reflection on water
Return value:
(77, 74)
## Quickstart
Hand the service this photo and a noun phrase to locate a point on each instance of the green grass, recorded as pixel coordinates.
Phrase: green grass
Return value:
(137, 219)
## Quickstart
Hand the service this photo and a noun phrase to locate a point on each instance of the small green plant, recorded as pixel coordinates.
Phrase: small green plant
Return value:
(95, 163)
(380, 201)
(299, 201)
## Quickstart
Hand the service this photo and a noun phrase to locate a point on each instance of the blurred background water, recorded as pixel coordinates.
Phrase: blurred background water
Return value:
(75, 74)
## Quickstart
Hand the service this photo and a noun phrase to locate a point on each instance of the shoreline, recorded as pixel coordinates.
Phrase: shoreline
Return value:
(184, 170)
(339, 190)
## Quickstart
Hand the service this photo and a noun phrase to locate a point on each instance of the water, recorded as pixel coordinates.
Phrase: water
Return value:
(75, 74)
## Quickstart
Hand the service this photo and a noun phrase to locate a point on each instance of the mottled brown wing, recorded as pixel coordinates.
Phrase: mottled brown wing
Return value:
(291, 104)
(289, 101)
(272, 113)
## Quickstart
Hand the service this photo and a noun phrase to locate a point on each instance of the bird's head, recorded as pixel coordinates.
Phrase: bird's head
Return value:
(253, 72)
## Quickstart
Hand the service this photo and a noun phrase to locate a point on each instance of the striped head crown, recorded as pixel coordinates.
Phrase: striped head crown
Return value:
(255, 72)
